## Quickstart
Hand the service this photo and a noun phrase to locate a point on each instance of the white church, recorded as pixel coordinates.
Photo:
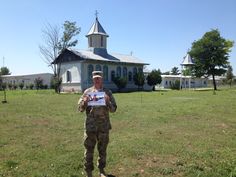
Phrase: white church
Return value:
(77, 65)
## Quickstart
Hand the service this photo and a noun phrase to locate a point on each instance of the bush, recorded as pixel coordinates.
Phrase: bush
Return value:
(21, 85)
(120, 82)
(175, 85)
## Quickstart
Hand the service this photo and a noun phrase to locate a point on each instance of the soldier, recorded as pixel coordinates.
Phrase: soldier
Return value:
(97, 124)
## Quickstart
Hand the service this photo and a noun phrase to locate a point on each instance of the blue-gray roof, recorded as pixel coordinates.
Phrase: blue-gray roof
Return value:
(97, 29)
(114, 57)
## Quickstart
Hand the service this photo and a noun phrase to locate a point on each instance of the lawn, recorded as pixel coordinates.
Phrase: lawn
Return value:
(171, 133)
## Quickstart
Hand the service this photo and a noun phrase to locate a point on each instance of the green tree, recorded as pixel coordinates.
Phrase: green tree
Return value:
(38, 82)
(120, 82)
(4, 71)
(154, 78)
(55, 43)
(210, 54)
(187, 71)
(139, 79)
(229, 75)
(175, 71)
(21, 85)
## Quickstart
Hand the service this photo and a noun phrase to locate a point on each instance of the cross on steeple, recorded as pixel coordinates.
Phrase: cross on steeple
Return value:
(96, 14)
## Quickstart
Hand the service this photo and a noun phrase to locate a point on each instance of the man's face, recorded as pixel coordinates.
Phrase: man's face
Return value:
(97, 82)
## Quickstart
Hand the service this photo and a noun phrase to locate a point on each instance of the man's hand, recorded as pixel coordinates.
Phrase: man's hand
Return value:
(86, 99)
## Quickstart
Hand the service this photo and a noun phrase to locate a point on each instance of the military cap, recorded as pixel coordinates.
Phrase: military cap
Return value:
(97, 74)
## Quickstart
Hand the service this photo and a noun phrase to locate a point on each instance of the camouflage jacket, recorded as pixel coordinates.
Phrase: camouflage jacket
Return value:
(97, 117)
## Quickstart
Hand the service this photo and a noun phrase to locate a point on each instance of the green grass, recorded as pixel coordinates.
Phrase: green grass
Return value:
(172, 133)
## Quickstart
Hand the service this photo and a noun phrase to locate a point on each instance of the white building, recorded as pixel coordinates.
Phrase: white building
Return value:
(77, 65)
(27, 79)
(186, 81)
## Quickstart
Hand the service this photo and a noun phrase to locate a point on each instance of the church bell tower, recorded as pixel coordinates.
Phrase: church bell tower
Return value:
(97, 38)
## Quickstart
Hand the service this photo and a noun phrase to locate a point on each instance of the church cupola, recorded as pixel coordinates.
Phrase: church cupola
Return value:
(97, 38)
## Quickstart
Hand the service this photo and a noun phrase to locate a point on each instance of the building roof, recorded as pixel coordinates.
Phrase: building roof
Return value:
(114, 57)
(79, 55)
(187, 60)
(97, 29)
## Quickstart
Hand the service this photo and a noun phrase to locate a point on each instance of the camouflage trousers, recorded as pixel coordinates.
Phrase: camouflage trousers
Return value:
(90, 141)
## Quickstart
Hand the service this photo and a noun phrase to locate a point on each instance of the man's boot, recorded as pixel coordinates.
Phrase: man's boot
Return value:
(89, 173)
(102, 173)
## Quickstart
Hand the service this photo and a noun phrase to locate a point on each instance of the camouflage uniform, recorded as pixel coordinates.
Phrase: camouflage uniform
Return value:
(97, 126)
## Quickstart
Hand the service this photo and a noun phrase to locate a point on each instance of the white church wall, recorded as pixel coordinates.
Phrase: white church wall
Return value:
(73, 69)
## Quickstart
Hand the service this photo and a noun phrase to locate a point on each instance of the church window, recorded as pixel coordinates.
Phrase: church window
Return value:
(118, 71)
(90, 41)
(68, 76)
(101, 41)
(125, 72)
(113, 75)
(90, 70)
(134, 70)
(130, 76)
(98, 68)
(166, 82)
(105, 73)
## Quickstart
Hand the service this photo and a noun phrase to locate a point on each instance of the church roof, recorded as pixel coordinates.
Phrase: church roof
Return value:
(97, 29)
(114, 57)
(90, 55)
(187, 60)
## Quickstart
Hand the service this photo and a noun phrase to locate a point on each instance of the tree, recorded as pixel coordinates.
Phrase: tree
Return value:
(38, 82)
(54, 45)
(187, 71)
(4, 71)
(21, 85)
(154, 78)
(229, 75)
(175, 71)
(120, 82)
(210, 54)
(139, 79)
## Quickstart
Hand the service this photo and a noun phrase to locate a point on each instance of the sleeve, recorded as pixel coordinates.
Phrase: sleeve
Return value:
(112, 104)
(81, 104)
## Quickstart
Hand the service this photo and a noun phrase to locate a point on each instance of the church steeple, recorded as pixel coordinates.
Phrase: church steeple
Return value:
(97, 38)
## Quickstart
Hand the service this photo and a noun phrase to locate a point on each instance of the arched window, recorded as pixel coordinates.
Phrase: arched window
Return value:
(101, 41)
(90, 42)
(105, 73)
(113, 75)
(98, 68)
(130, 76)
(125, 72)
(90, 70)
(68, 76)
(118, 71)
(134, 70)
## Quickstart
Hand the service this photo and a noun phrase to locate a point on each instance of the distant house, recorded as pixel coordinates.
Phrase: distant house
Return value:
(27, 79)
(77, 65)
(186, 81)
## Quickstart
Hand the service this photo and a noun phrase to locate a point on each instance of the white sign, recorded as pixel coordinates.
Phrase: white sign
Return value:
(96, 99)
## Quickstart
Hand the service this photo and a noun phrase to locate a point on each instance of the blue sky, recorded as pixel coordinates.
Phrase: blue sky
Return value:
(159, 32)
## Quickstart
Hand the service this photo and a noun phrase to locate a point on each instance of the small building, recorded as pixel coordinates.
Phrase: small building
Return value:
(186, 81)
(77, 65)
(27, 79)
